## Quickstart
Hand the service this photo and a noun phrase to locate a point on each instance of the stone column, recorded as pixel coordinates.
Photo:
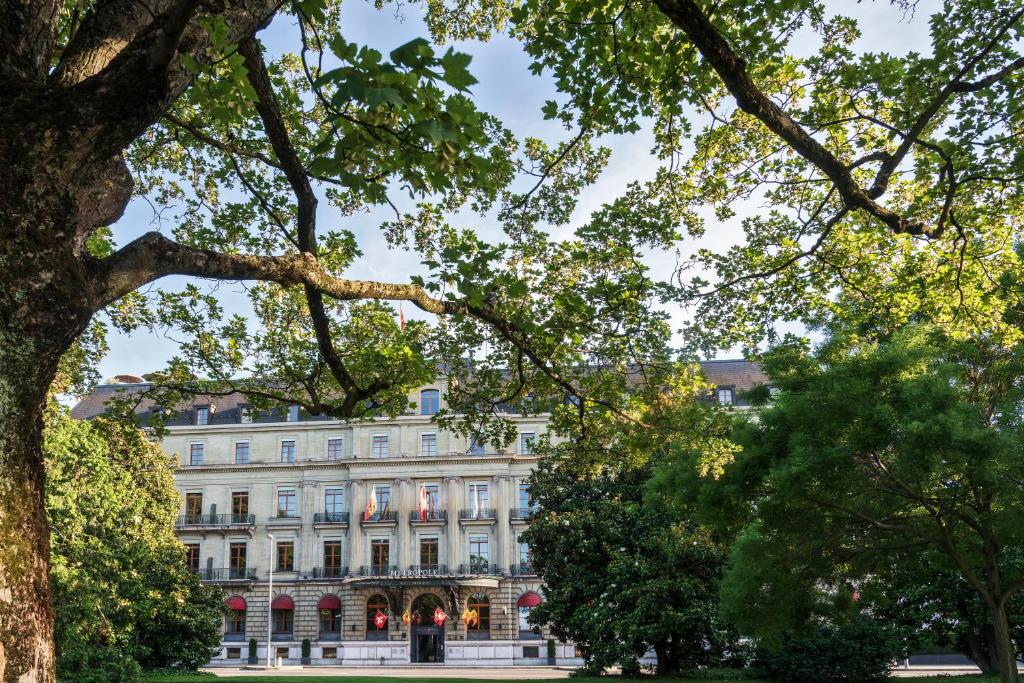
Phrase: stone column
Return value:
(456, 500)
(403, 532)
(357, 500)
(306, 555)
(502, 538)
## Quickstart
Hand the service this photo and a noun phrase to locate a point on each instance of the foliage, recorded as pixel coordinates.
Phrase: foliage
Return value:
(305, 647)
(621, 577)
(123, 597)
(872, 449)
(859, 651)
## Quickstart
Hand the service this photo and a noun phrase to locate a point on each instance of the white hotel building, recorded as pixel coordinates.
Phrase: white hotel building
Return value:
(305, 482)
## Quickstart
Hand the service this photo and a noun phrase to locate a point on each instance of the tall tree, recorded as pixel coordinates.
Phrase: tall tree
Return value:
(871, 450)
(124, 599)
(176, 100)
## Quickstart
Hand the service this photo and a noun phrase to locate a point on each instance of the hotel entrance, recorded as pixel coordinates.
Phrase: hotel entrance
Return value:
(426, 636)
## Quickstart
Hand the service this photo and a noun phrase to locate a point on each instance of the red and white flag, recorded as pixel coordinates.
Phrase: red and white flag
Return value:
(380, 619)
(424, 503)
(401, 317)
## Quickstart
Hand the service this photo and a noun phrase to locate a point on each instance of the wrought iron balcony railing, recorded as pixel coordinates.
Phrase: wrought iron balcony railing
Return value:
(386, 516)
(523, 569)
(216, 520)
(478, 514)
(330, 518)
(330, 572)
(226, 574)
(522, 513)
(378, 570)
(428, 516)
(482, 568)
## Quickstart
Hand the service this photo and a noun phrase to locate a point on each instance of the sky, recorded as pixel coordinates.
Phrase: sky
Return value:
(508, 90)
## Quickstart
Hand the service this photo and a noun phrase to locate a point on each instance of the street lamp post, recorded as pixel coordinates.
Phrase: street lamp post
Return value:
(270, 599)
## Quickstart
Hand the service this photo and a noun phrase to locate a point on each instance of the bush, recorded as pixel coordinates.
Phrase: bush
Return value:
(88, 664)
(860, 651)
(252, 647)
(305, 647)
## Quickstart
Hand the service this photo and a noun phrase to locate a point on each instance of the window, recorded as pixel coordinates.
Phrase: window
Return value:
(525, 605)
(478, 553)
(332, 559)
(380, 556)
(329, 612)
(428, 444)
(244, 413)
(330, 653)
(195, 454)
(376, 603)
(285, 556)
(428, 554)
(531, 651)
(479, 499)
(383, 495)
(524, 553)
(526, 440)
(334, 504)
(724, 397)
(288, 450)
(235, 629)
(239, 507)
(286, 503)
(234, 653)
(335, 449)
(202, 415)
(193, 508)
(192, 557)
(380, 446)
(236, 558)
(281, 652)
(477, 446)
(524, 497)
(433, 499)
(283, 622)
(293, 413)
(430, 401)
(241, 452)
(481, 624)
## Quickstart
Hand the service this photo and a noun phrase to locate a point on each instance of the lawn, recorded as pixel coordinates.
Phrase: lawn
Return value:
(207, 678)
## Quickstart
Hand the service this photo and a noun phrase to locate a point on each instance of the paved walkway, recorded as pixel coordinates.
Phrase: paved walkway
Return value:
(411, 671)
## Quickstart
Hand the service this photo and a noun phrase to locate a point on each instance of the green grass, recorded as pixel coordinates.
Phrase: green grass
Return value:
(207, 678)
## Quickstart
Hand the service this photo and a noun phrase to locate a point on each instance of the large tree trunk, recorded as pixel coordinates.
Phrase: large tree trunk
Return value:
(1006, 654)
(980, 648)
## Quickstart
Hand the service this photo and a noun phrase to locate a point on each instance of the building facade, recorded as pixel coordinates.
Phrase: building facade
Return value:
(387, 541)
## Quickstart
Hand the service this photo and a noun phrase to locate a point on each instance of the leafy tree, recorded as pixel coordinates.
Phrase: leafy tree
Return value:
(621, 574)
(176, 101)
(871, 450)
(124, 599)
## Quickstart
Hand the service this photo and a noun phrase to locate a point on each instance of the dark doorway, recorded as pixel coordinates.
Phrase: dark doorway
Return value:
(426, 638)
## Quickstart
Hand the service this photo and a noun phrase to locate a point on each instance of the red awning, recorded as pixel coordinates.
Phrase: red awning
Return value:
(282, 602)
(530, 599)
(329, 602)
(236, 602)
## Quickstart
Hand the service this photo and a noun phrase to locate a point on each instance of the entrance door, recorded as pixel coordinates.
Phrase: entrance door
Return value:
(426, 639)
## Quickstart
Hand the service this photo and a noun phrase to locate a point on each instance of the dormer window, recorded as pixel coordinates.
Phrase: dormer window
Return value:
(244, 413)
(202, 415)
(725, 397)
(293, 413)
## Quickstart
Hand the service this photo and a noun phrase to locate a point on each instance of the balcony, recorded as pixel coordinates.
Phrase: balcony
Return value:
(378, 570)
(284, 522)
(432, 517)
(226, 574)
(523, 569)
(330, 572)
(215, 522)
(521, 514)
(480, 568)
(330, 519)
(382, 518)
(480, 515)
(428, 570)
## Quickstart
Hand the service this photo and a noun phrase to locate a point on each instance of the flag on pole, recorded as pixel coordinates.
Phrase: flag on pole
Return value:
(439, 616)
(401, 316)
(424, 503)
(380, 619)
(476, 504)
(371, 506)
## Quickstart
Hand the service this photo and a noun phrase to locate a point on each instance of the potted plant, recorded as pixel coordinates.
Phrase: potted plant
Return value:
(252, 651)
(305, 651)
(551, 652)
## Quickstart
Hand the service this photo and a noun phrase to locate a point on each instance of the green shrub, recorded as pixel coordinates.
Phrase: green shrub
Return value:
(90, 664)
(252, 647)
(860, 651)
(305, 647)
(551, 648)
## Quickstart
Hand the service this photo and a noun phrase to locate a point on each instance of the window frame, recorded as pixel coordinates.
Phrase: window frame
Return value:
(192, 445)
(293, 495)
(285, 560)
(340, 454)
(526, 446)
(248, 451)
(423, 436)
(294, 449)
(435, 402)
(385, 440)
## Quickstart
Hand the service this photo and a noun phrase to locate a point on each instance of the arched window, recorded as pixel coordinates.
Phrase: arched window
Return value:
(329, 609)
(282, 611)
(525, 604)
(374, 629)
(479, 628)
(424, 609)
(430, 401)
(234, 628)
